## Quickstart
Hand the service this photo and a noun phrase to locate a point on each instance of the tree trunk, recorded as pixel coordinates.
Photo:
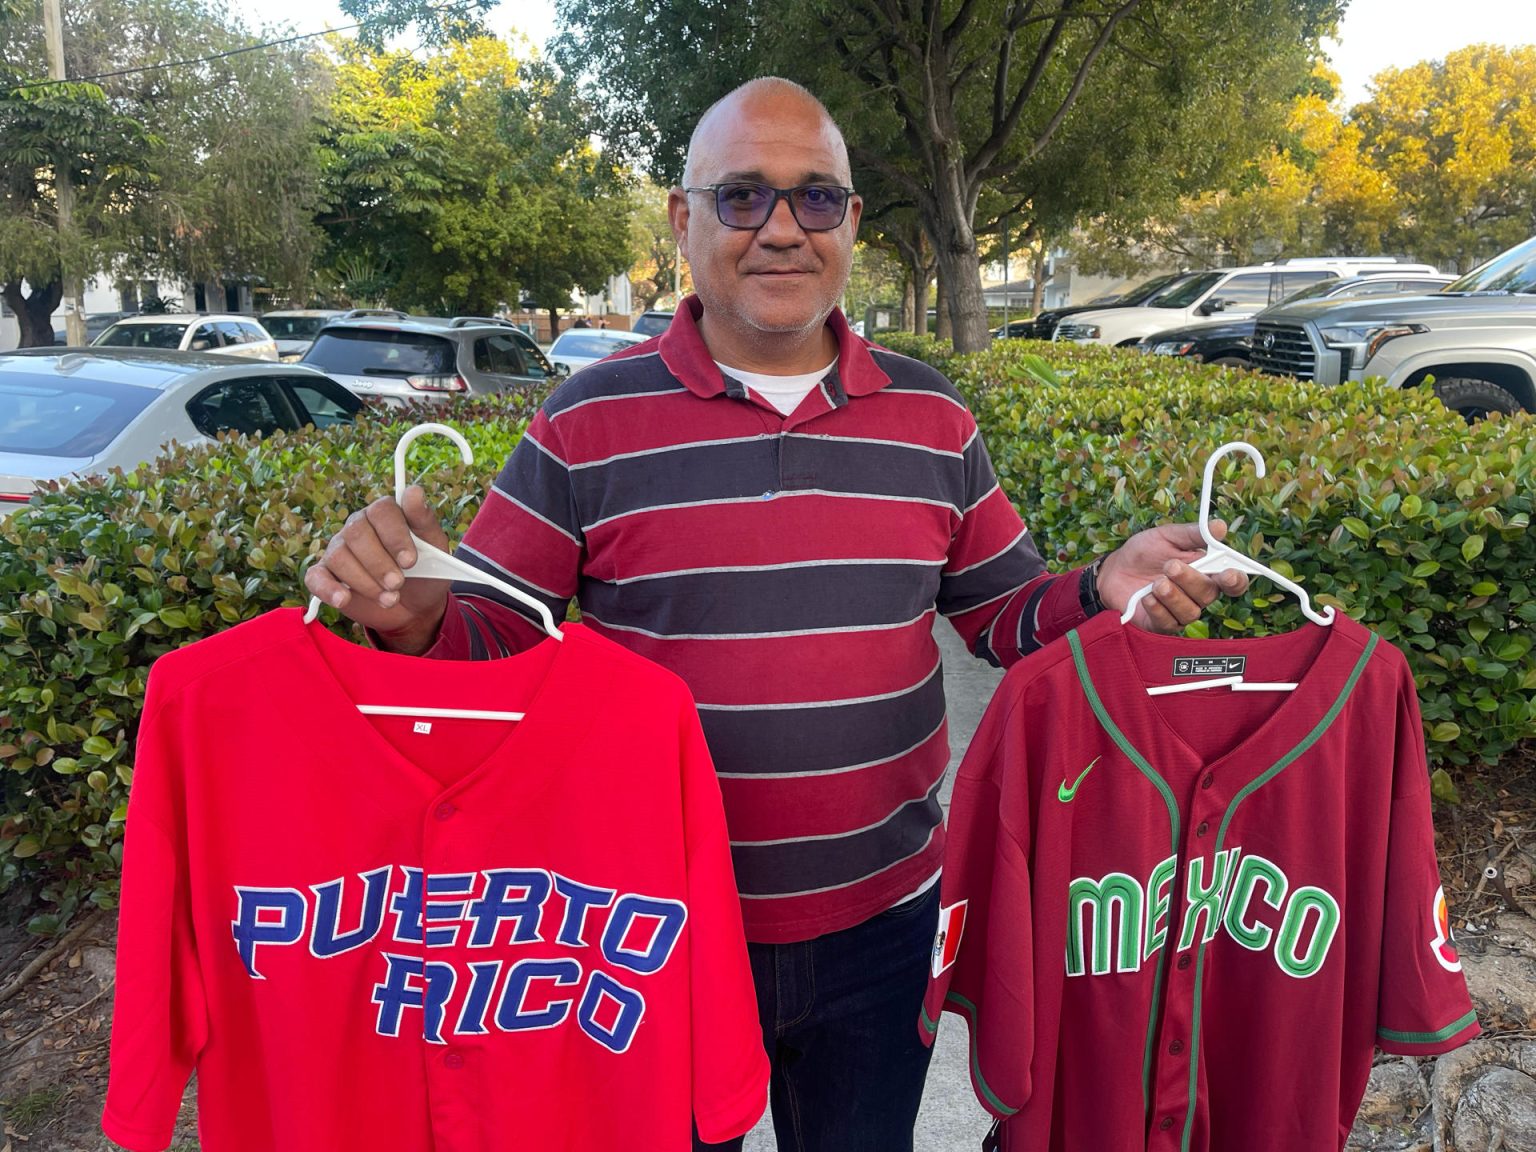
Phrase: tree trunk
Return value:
(907, 309)
(34, 313)
(1037, 296)
(554, 323)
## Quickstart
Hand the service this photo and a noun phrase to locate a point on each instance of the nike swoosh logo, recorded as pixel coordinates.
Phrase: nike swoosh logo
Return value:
(1065, 794)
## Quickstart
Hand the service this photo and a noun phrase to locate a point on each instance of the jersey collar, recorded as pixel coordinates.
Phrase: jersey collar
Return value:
(687, 357)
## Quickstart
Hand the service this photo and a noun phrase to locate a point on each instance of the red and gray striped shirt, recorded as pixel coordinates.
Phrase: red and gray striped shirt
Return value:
(789, 569)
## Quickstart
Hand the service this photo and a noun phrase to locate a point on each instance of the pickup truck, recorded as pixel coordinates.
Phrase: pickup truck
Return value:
(1474, 342)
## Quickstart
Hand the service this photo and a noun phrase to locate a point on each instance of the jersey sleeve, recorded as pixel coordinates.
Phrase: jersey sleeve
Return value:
(1423, 1008)
(730, 1068)
(983, 955)
(159, 1022)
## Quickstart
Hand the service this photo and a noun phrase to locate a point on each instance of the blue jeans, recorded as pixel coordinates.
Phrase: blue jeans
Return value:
(839, 1016)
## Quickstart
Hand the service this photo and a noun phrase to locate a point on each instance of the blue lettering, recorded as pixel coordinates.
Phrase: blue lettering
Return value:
(449, 912)
(510, 1014)
(495, 906)
(325, 936)
(407, 907)
(578, 899)
(669, 915)
(266, 916)
(631, 1009)
(396, 992)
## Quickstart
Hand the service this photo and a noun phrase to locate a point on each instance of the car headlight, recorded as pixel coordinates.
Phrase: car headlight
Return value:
(1363, 341)
(1172, 348)
(290, 357)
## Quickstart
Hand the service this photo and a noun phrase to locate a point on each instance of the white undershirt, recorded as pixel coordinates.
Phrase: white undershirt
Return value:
(783, 392)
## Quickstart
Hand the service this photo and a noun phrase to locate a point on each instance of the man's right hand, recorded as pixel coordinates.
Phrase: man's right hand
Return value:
(362, 574)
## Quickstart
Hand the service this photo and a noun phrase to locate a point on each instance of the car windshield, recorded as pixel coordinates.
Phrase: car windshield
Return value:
(379, 352)
(1147, 289)
(1513, 271)
(1183, 293)
(47, 416)
(652, 323)
(1328, 287)
(166, 335)
(293, 327)
(594, 344)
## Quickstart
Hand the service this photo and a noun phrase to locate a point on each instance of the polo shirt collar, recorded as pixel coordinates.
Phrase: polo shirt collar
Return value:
(688, 358)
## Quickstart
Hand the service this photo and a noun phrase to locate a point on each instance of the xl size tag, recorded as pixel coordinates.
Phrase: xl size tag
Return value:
(1209, 665)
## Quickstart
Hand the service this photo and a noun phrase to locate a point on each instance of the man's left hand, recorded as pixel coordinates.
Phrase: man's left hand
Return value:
(1162, 557)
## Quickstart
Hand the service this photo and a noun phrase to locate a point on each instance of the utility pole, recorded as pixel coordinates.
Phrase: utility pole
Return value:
(64, 185)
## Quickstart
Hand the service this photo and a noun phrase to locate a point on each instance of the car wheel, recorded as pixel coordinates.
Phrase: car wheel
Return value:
(1230, 362)
(1475, 399)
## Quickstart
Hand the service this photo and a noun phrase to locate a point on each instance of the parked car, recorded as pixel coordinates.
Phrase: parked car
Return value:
(95, 324)
(66, 412)
(403, 358)
(1231, 293)
(1231, 341)
(1476, 339)
(1043, 326)
(577, 347)
(652, 323)
(295, 329)
(227, 335)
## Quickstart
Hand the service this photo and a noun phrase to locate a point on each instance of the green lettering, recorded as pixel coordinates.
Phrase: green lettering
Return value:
(1115, 942)
(1253, 871)
(1157, 904)
(1204, 903)
(1303, 901)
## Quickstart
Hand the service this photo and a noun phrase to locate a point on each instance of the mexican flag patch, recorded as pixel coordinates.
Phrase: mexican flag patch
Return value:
(946, 942)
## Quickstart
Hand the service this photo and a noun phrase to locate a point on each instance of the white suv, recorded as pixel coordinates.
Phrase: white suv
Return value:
(1223, 294)
(227, 335)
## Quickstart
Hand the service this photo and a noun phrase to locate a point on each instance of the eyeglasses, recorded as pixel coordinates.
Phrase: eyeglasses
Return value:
(815, 207)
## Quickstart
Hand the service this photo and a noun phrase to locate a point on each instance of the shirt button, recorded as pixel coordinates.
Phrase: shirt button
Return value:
(1205, 827)
(1183, 962)
(1176, 1047)
(1210, 778)
(1165, 1123)
(444, 810)
(453, 1060)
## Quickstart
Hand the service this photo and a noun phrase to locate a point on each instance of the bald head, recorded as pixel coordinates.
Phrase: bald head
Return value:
(769, 96)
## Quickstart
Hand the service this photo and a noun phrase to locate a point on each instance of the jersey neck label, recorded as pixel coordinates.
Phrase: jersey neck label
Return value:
(1210, 665)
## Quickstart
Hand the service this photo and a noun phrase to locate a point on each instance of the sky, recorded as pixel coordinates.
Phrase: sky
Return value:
(1374, 35)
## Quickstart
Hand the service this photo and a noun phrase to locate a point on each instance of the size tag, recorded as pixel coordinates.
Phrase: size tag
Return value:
(422, 726)
(1209, 665)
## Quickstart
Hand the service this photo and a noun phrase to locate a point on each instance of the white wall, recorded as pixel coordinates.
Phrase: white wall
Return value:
(101, 295)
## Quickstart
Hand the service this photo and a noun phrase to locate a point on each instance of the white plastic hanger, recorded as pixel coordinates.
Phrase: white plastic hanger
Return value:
(1219, 557)
(433, 562)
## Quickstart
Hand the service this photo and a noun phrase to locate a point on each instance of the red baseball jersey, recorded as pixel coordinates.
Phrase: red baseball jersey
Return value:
(1185, 921)
(427, 934)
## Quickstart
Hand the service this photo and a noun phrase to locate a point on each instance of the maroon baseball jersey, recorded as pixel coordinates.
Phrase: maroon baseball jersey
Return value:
(458, 935)
(1184, 922)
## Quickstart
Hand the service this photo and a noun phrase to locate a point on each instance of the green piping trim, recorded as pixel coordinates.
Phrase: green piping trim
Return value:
(970, 1015)
(1428, 1037)
(931, 1026)
(1085, 679)
(1253, 786)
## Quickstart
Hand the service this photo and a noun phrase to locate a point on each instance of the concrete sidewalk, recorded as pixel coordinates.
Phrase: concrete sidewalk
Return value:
(950, 1120)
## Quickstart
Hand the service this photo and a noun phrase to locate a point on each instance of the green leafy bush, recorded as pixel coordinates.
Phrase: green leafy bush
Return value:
(1382, 503)
(101, 577)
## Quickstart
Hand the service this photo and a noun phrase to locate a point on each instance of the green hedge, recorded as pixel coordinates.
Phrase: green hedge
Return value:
(102, 577)
(1382, 503)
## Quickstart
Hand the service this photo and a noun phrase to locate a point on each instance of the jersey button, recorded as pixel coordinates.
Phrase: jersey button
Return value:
(1183, 962)
(1176, 1047)
(1165, 1123)
(453, 1060)
(1210, 778)
(444, 811)
(1205, 827)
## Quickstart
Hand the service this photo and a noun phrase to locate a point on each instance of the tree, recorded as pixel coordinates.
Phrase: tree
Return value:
(655, 272)
(467, 177)
(1456, 139)
(194, 171)
(943, 100)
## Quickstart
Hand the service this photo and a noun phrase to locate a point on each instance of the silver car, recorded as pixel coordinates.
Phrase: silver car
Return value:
(400, 359)
(226, 334)
(577, 347)
(67, 412)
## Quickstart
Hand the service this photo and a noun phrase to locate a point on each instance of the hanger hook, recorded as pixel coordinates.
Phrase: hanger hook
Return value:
(465, 453)
(1210, 476)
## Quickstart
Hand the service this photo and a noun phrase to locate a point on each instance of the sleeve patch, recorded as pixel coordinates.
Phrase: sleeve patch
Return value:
(946, 942)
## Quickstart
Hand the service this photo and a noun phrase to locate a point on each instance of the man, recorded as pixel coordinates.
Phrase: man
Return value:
(773, 508)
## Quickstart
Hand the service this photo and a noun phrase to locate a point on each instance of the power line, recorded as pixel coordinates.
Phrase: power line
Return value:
(261, 47)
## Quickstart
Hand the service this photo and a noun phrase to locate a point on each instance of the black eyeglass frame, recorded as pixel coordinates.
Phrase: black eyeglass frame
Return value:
(785, 194)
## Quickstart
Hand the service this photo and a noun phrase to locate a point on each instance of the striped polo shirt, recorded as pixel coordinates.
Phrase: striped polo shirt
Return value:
(788, 569)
